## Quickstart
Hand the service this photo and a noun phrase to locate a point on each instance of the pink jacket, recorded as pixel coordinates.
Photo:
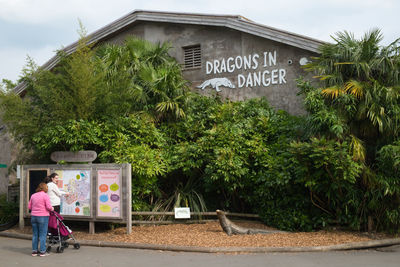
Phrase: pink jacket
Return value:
(39, 204)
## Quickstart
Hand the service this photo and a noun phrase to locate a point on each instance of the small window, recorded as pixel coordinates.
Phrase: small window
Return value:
(192, 56)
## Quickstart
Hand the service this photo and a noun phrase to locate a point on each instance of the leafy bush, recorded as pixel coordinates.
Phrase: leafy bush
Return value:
(387, 189)
(8, 210)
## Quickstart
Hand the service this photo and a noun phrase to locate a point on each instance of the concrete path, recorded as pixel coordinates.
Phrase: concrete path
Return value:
(16, 252)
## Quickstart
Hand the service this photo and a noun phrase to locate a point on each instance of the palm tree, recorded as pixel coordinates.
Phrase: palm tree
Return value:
(360, 79)
(145, 73)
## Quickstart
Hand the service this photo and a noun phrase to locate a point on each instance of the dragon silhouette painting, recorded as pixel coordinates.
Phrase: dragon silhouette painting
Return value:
(216, 83)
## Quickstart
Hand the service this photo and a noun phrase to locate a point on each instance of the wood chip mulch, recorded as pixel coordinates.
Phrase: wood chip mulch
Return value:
(210, 234)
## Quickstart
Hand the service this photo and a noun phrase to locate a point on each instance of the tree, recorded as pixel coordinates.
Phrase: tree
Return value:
(360, 90)
(96, 83)
(68, 92)
(151, 78)
(358, 102)
(6, 85)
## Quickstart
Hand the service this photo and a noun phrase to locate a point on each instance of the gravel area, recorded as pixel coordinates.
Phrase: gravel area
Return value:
(210, 234)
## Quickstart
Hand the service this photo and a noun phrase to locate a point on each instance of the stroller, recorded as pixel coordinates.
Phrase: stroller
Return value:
(59, 234)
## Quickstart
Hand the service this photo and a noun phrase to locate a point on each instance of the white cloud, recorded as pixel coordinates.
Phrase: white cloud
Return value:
(45, 11)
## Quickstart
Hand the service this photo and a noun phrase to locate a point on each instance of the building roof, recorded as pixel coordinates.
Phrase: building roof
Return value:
(235, 22)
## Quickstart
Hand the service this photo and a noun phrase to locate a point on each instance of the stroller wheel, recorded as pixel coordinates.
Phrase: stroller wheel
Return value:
(48, 249)
(77, 246)
(60, 249)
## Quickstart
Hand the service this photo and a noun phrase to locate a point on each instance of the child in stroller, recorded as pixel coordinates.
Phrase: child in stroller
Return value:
(59, 233)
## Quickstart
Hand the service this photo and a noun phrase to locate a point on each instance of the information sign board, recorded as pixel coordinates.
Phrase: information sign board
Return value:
(109, 193)
(182, 213)
(77, 184)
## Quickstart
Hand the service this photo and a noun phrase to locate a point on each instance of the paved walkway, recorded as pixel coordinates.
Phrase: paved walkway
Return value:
(16, 252)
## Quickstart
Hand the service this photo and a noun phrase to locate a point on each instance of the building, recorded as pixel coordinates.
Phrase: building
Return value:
(221, 54)
(231, 55)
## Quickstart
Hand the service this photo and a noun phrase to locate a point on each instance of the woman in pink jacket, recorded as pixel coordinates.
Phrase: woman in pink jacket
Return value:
(39, 204)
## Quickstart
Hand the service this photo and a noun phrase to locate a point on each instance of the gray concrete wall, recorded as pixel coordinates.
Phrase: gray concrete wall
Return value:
(5, 158)
(9, 151)
(222, 46)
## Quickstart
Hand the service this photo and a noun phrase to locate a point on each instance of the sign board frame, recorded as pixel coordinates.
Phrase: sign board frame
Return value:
(125, 216)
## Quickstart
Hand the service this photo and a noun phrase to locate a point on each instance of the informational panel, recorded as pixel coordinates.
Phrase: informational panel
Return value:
(77, 184)
(109, 193)
(182, 213)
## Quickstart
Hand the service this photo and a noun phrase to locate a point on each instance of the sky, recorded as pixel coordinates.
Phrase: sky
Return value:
(37, 28)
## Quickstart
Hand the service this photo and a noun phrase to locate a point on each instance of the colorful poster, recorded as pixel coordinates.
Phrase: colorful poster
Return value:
(77, 183)
(109, 196)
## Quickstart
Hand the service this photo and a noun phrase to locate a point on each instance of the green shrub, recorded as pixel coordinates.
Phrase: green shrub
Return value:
(8, 210)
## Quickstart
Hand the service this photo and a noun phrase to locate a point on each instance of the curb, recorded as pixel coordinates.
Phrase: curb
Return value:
(340, 247)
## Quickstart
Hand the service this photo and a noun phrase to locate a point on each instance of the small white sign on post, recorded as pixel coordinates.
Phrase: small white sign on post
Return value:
(18, 171)
(182, 213)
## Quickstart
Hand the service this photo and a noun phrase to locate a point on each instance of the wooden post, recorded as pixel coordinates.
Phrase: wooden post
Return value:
(21, 199)
(91, 227)
(129, 198)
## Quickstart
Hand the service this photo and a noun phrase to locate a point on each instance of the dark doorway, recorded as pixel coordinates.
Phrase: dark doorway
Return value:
(35, 178)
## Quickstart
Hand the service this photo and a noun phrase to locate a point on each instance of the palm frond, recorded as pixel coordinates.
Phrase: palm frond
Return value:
(333, 92)
(357, 149)
(355, 88)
